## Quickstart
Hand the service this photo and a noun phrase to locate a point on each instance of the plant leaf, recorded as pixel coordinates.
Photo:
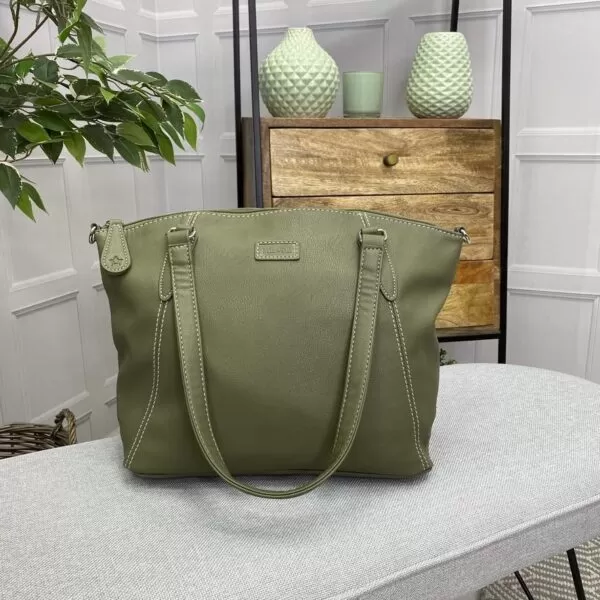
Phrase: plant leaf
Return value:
(117, 111)
(69, 51)
(24, 204)
(8, 78)
(8, 141)
(52, 121)
(130, 152)
(170, 131)
(11, 183)
(52, 150)
(49, 101)
(98, 47)
(34, 195)
(84, 37)
(190, 130)
(107, 94)
(86, 87)
(100, 140)
(131, 97)
(24, 66)
(145, 168)
(22, 145)
(148, 106)
(75, 16)
(182, 89)
(160, 79)
(149, 121)
(119, 60)
(134, 75)
(165, 147)
(45, 69)
(197, 110)
(85, 18)
(75, 144)
(174, 116)
(32, 132)
(135, 134)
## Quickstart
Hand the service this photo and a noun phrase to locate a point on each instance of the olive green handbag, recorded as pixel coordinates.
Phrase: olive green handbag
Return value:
(276, 342)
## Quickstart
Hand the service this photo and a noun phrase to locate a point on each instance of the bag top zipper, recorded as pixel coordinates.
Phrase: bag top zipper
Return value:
(460, 232)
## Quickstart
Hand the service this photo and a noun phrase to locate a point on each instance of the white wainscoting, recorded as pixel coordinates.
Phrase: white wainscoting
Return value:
(56, 348)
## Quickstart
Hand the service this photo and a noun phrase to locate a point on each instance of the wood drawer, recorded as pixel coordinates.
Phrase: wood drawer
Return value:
(474, 212)
(472, 298)
(350, 162)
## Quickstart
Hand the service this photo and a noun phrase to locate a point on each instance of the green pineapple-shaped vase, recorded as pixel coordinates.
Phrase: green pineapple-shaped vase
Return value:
(298, 78)
(441, 79)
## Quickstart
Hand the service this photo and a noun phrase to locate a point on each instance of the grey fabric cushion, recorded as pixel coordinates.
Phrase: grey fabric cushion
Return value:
(516, 479)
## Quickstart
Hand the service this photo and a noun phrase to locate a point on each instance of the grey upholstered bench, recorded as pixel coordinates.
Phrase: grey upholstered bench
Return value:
(516, 479)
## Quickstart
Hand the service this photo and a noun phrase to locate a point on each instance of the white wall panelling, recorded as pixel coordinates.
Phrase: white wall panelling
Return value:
(56, 348)
(54, 321)
(554, 276)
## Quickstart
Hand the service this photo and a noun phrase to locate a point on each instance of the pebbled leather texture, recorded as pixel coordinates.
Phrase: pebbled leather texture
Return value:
(270, 361)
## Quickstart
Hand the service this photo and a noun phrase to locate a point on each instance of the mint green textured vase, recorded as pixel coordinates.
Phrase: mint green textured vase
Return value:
(298, 78)
(441, 79)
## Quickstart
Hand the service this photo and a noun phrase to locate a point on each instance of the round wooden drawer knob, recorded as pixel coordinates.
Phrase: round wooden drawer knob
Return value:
(391, 160)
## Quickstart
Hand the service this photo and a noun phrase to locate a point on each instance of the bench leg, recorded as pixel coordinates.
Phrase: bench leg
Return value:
(576, 574)
(524, 586)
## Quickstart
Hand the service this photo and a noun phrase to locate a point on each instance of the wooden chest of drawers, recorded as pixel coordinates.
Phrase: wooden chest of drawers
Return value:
(446, 172)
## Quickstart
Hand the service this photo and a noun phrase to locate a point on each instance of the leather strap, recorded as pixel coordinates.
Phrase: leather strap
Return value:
(181, 243)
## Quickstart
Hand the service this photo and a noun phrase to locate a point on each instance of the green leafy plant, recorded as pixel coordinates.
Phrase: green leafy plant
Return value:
(78, 95)
(445, 359)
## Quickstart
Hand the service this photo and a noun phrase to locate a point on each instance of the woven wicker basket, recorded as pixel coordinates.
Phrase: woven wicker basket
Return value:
(23, 438)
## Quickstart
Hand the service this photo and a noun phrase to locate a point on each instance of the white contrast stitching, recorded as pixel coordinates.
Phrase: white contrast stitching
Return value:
(195, 307)
(349, 370)
(410, 404)
(351, 353)
(181, 347)
(367, 223)
(373, 318)
(151, 221)
(124, 247)
(277, 242)
(279, 211)
(160, 320)
(409, 374)
(164, 297)
(394, 293)
(107, 247)
(192, 219)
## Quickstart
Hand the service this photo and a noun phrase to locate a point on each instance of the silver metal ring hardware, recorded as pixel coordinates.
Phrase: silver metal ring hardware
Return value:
(382, 232)
(191, 231)
(463, 232)
(93, 229)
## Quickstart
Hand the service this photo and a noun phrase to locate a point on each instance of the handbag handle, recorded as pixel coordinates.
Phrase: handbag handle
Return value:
(181, 243)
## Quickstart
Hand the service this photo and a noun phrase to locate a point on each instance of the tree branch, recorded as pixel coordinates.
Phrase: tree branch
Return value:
(16, 62)
(19, 46)
(15, 18)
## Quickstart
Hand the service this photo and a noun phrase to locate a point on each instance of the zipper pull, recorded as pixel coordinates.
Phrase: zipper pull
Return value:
(115, 257)
(463, 233)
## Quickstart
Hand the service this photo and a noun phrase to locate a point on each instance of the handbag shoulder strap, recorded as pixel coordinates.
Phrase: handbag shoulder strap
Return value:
(181, 243)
